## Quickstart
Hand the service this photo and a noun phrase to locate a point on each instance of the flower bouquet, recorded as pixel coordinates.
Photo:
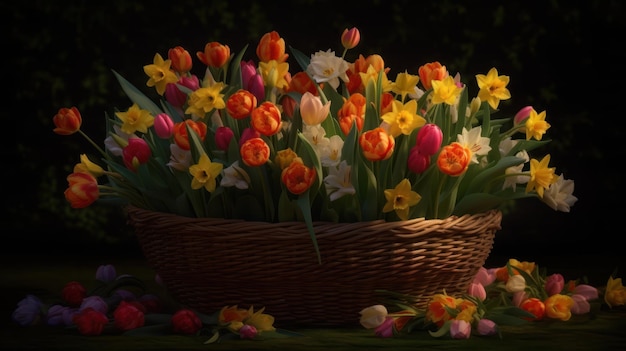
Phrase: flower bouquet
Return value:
(390, 176)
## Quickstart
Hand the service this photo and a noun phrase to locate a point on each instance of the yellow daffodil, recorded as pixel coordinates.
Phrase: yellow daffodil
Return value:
(205, 99)
(403, 118)
(400, 199)
(493, 88)
(160, 74)
(135, 120)
(536, 125)
(205, 173)
(445, 91)
(541, 176)
(405, 84)
(86, 165)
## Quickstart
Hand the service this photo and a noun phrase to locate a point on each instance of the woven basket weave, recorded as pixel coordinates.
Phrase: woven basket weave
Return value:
(208, 263)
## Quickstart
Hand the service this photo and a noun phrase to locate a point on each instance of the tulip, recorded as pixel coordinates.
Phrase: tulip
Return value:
(429, 139)
(248, 331)
(96, 302)
(460, 329)
(128, 316)
(581, 305)
(554, 284)
(240, 104)
(136, 153)
(515, 283)
(522, 115)
(377, 144)
(254, 152)
(454, 159)
(486, 327)
(180, 132)
(266, 118)
(215, 54)
(431, 71)
(28, 311)
(417, 162)
(186, 322)
(559, 306)
(82, 190)
(297, 177)
(223, 136)
(534, 306)
(67, 121)
(350, 38)
(181, 59)
(312, 110)
(271, 47)
(163, 125)
(385, 330)
(90, 321)
(477, 290)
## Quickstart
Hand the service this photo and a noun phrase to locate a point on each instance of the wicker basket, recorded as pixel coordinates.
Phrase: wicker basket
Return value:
(210, 263)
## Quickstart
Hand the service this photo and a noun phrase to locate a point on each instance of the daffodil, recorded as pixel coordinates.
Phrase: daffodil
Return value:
(403, 118)
(400, 199)
(541, 176)
(205, 99)
(536, 125)
(326, 67)
(559, 196)
(405, 84)
(205, 173)
(274, 73)
(493, 88)
(445, 91)
(135, 120)
(160, 74)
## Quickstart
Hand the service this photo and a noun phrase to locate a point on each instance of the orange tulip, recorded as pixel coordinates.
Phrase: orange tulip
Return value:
(240, 104)
(67, 121)
(353, 110)
(181, 59)
(377, 144)
(180, 132)
(214, 55)
(266, 119)
(534, 306)
(254, 152)
(454, 159)
(297, 177)
(301, 83)
(431, 71)
(82, 191)
(271, 47)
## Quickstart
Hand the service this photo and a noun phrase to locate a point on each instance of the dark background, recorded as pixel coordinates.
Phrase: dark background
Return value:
(563, 57)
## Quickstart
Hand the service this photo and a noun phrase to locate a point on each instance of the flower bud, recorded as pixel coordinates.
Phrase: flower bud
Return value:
(223, 136)
(429, 139)
(522, 114)
(554, 284)
(460, 329)
(181, 59)
(350, 38)
(163, 125)
(486, 327)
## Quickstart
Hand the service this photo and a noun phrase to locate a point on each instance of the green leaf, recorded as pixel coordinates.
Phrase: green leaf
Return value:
(137, 96)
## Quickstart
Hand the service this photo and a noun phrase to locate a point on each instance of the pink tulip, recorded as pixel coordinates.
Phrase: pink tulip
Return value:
(486, 327)
(588, 291)
(554, 284)
(429, 139)
(522, 114)
(460, 329)
(477, 290)
(350, 38)
(163, 125)
(223, 136)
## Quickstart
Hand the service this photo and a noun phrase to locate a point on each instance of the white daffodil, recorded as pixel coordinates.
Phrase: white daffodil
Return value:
(326, 67)
(559, 195)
